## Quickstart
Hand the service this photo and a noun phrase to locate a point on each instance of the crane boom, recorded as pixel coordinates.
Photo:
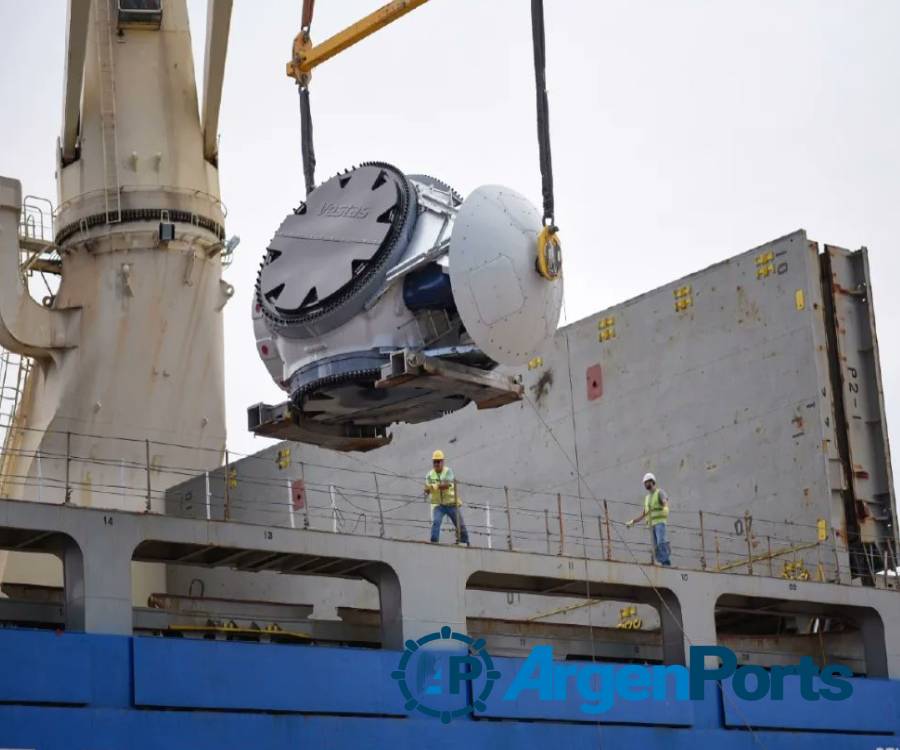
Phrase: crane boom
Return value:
(218, 21)
(76, 50)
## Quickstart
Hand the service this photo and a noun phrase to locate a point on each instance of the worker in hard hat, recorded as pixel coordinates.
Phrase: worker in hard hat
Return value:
(440, 488)
(656, 511)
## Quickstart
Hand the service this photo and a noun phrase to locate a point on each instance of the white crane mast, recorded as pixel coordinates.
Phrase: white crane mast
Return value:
(131, 345)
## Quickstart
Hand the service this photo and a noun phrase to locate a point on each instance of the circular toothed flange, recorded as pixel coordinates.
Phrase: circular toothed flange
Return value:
(330, 256)
(340, 390)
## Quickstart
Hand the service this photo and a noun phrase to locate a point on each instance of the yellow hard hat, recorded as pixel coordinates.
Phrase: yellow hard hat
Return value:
(437, 455)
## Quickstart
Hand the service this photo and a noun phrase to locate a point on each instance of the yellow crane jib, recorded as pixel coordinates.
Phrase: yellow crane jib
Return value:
(305, 56)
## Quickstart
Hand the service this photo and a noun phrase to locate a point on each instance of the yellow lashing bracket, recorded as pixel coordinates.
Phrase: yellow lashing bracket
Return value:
(549, 254)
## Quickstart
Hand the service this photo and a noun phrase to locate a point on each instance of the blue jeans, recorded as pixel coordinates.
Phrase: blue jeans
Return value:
(454, 513)
(660, 544)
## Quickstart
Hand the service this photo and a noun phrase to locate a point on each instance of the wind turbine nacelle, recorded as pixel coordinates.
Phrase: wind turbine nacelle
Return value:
(375, 263)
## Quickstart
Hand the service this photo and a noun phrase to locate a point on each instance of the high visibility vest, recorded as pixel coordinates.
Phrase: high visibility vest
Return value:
(437, 495)
(655, 510)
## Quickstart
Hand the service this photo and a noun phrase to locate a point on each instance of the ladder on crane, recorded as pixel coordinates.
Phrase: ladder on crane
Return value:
(104, 28)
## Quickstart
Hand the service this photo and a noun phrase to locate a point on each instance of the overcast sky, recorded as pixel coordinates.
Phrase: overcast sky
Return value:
(683, 132)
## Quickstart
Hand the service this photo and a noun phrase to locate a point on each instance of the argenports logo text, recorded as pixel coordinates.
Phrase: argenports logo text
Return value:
(448, 675)
(601, 685)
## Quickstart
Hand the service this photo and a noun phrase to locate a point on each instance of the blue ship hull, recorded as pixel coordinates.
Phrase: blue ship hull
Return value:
(68, 691)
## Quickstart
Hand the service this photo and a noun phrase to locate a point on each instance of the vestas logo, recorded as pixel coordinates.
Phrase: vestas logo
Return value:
(348, 211)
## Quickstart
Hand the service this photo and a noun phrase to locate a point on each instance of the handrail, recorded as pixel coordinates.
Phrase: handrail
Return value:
(360, 502)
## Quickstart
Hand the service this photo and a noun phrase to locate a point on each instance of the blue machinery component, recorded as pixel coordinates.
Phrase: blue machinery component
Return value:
(428, 289)
(68, 691)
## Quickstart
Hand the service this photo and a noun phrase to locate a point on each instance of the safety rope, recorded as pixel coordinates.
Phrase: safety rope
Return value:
(307, 151)
(640, 566)
(543, 111)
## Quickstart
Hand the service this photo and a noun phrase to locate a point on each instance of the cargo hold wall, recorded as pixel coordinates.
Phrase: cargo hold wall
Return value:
(729, 384)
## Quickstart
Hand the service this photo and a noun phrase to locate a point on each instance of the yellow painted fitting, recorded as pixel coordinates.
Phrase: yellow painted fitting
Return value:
(535, 363)
(549, 254)
(684, 298)
(232, 478)
(799, 299)
(628, 619)
(606, 328)
(299, 52)
(822, 529)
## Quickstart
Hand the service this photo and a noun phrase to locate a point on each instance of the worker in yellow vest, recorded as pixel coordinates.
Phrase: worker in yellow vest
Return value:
(656, 511)
(440, 488)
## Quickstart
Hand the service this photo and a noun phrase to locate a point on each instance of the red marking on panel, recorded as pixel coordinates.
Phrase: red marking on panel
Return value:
(594, 382)
(298, 494)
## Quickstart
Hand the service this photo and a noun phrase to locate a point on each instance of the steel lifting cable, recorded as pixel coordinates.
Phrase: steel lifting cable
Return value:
(308, 153)
(543, 110)
(549, 263)
(543, 115)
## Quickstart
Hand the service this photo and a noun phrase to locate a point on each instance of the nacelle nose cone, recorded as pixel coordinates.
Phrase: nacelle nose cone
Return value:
(507, 307)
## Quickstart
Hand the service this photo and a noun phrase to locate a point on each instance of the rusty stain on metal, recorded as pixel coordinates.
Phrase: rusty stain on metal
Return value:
(749, 309)
(542, 386)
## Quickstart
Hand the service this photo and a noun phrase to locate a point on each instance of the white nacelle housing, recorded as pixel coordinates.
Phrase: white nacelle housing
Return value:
(376, 262)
